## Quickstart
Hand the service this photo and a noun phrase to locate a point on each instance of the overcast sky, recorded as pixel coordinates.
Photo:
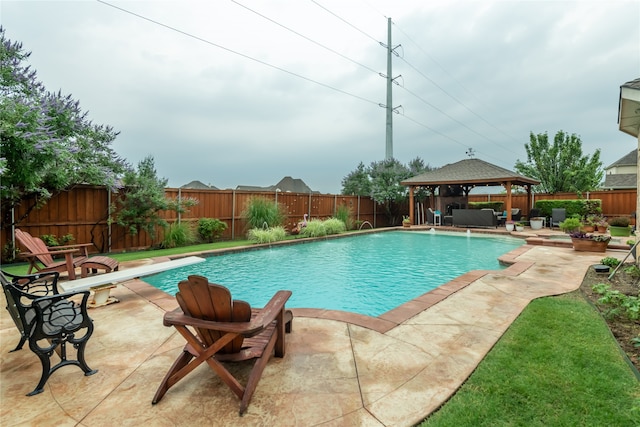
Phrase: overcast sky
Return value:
(244, 93)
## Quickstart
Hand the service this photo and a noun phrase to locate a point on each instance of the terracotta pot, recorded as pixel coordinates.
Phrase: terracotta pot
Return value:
(586, 245)
(588, 228)
(602, 229)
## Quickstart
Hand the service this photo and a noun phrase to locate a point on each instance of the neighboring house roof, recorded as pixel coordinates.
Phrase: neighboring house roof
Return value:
(197, 185)
(629, 107)
(630, 159)
(286, 184)
(620, 181)
(470, 172)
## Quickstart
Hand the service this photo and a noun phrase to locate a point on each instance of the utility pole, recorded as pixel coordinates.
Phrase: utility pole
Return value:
(389, 106)
(388, 153)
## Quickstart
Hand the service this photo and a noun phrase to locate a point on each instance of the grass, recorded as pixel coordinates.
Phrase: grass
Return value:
(556, 365)
(21, 268)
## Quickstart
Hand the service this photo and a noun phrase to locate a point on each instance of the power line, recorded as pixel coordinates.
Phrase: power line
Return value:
(344, 20)
(304, 37)
(137, 15)
(450, 75)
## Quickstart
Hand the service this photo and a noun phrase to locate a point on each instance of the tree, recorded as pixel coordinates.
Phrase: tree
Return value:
(561, 166)
(47, 143)
(142, 199)
(357, 183)
(381, 180)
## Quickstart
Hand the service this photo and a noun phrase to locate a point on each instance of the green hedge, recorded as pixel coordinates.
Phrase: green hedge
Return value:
(496, 206)
(580, 207)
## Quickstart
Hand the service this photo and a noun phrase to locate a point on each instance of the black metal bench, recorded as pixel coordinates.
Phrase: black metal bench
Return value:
(48, 320)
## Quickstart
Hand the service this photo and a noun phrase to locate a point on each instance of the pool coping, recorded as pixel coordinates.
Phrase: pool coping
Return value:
(382, 323)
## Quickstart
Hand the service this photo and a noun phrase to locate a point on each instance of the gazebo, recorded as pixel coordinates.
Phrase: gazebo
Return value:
(454, 181)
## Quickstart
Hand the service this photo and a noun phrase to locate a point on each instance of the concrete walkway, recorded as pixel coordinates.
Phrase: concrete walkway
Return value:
(340, 369)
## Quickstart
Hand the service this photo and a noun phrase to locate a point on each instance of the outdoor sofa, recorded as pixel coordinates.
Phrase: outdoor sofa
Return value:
(474, 218)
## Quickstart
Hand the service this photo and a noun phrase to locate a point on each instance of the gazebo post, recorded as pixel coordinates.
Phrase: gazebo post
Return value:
(411, 204)
(507, 186)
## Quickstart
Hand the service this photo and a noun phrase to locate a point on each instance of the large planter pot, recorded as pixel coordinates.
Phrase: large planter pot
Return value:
(586, 245)
(510, 227)
(619, 231)
(536, 223)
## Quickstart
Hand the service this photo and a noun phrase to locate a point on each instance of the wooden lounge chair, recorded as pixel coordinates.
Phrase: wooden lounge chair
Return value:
(39, 253)
(49, 321)
(226, 330)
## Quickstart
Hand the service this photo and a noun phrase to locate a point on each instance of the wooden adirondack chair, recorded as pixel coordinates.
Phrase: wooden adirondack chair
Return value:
(226, 330)
(39, 253)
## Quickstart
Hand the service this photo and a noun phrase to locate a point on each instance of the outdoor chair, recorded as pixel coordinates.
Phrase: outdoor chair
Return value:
(557, 216)
(48, 320)
(434, 217)
(39, 253)
(219, 329)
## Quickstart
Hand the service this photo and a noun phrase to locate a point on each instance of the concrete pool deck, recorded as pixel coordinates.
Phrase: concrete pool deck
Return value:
(340, 368)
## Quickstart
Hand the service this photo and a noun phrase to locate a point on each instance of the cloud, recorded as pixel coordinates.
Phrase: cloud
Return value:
(218, 93)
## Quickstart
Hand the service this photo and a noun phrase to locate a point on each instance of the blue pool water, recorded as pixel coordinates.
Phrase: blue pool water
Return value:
(367, 274)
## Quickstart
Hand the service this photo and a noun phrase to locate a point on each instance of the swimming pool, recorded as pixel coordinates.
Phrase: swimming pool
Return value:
(367, 274)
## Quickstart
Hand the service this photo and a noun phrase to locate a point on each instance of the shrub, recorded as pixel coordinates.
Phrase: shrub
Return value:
(210, 229)
(610, 261)
(334, 226)
(53, 240)
(178, 234)
(620, 221)
(269, 235)
(620, 304)
(343, 213)
(580, 207)
(260, 211)
(570, 224)
(314, 228)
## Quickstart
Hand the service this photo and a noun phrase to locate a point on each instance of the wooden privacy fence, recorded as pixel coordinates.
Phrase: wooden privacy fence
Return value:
(84, 213)
(614, 203)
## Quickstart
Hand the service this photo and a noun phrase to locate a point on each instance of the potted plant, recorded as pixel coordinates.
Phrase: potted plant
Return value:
(406, 221)
(590, 222)
(510, 225)
(519, 226)
(619, 226)
(570, 225)
(602, 226)
(589, 242)
(536, 222)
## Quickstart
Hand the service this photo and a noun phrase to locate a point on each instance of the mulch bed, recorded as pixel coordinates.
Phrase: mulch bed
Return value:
(623, 329)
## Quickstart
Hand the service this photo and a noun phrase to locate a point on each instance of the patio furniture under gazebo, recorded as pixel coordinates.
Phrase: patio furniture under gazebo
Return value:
(454, 181)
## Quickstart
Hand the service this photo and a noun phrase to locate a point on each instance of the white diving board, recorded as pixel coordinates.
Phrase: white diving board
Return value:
(115, 277)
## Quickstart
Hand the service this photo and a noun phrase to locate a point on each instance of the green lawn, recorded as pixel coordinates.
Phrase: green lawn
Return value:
(557, 365)
(21, 268)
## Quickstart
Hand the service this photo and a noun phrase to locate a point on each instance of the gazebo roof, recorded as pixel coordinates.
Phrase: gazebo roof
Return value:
(469, 172)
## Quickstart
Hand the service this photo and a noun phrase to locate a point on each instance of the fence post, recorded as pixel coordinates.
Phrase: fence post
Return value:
(179, 204)
(233, 215)
(108, 220)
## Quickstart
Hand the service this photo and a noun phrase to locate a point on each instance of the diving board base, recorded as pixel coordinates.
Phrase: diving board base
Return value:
(101, 296)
